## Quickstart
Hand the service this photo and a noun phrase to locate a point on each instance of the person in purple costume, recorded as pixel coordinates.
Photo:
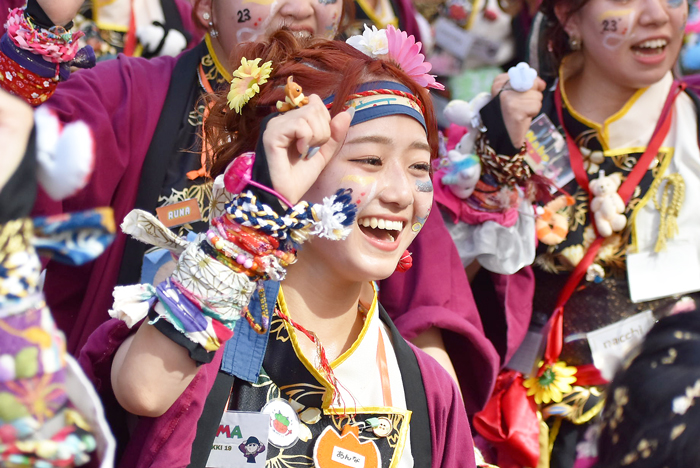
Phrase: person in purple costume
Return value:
(146, 117)
(334, 359)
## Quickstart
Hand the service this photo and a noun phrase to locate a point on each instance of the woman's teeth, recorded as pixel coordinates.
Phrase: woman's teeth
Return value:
(652, 46)
(381, 224)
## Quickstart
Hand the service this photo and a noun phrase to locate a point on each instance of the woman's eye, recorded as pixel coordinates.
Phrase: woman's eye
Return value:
(372, 161)
(423, 167)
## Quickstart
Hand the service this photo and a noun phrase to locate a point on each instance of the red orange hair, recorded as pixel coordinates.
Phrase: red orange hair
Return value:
(319, 66)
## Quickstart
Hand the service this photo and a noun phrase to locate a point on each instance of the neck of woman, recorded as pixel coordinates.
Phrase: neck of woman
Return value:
(594, 96)
(325, 304)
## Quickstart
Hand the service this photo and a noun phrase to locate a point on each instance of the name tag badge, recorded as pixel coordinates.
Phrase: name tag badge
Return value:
(240, 441)
(609, 345)
(345, 449)
(671, 272)
(180, 213)
(547, 153)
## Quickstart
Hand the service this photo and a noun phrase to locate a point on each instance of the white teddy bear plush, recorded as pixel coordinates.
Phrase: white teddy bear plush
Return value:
(607, 205)
(464, 166)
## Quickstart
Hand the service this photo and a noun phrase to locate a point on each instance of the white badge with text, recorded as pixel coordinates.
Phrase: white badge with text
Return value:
(241, 441)
(609, 345)
(673, 271)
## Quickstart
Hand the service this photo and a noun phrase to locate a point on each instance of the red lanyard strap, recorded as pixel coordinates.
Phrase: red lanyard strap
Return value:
(555, 338)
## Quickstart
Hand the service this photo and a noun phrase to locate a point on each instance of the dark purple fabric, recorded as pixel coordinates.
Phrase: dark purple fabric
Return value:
(449, 428)
(184, 7)
(515, 293)
(163, 442)
(166, 442)
(121, 101)
(435, 292)
(407, 18)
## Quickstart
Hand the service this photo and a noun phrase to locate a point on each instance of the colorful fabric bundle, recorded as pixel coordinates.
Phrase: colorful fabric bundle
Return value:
(218, 273)
(33, 59)
(40, 425)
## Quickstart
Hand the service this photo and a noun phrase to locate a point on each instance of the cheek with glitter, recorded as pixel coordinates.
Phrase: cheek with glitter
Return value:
(675, 3)
(616, 27)
(424, 185)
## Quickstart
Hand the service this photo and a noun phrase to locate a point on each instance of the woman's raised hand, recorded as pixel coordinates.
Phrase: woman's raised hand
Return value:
(299, 144)
(518, 108)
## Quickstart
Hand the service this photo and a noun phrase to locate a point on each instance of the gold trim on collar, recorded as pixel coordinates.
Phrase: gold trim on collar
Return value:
(369, 11)
(291, 331)
(219, 67)
(601, 129)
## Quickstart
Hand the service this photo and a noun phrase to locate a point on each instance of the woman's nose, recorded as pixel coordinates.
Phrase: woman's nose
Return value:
(398, 188)
(654, 12)
(296, 9)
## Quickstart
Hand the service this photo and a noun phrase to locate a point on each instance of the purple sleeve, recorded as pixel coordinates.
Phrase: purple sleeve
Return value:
(120, 100)
(435, 292)
(449, 426)
(163, 442)
(514, 300)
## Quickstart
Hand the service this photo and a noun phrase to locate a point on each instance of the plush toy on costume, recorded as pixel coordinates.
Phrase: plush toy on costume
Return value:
(463, 165)
(293, 97)
(607, 205)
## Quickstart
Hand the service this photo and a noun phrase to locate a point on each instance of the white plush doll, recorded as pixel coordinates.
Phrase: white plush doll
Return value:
(607, 205)
(464, 166)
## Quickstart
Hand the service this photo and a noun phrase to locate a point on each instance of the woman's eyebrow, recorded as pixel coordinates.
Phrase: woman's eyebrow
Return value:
(383, 140)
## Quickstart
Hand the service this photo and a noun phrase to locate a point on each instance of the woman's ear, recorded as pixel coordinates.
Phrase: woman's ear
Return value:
(569, 22)
(203, 13)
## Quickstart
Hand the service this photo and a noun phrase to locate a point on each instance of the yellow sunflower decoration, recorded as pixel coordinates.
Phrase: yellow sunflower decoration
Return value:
(246, 82)
(552, 385)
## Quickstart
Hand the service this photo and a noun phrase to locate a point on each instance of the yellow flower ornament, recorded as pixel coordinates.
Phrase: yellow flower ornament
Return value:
(246, 82)
(552, 385)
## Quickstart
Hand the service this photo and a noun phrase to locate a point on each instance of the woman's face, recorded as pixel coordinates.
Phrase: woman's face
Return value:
(386, 163)
(239, 21)
(631, 42)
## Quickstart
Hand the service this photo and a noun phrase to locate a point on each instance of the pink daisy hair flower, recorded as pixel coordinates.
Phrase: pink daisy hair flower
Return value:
(405, 51)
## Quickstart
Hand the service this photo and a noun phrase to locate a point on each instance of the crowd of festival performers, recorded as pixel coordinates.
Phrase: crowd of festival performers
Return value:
(271, 234)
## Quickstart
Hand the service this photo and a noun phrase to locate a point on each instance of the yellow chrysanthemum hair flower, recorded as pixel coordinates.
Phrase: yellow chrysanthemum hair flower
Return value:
(246, 82)
(552, 385)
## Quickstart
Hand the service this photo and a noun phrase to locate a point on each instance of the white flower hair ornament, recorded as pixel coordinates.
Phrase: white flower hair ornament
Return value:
(398, 47)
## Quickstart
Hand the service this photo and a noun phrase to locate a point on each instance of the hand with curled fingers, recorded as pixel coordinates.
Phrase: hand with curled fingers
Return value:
(299, 143)
(518, 108)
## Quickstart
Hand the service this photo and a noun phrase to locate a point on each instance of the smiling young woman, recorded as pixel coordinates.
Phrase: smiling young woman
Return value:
(631, 131)
(328, 363)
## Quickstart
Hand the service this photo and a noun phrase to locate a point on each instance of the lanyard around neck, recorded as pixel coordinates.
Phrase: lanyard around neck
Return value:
(555, 337)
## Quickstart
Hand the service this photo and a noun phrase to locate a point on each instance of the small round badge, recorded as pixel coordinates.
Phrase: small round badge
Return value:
(284, 423)
(383, 428)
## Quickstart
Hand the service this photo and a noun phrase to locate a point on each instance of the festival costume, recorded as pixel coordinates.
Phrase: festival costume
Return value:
(165, 441)
(120, 99)
(603, 297)
(50, 416)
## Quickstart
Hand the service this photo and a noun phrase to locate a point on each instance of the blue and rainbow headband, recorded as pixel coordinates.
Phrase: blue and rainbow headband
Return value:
(377, 99)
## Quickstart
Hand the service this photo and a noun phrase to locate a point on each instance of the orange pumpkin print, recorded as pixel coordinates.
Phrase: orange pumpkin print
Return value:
(345, 450)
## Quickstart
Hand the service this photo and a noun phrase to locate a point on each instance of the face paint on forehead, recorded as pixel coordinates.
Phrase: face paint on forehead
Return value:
(616, 26)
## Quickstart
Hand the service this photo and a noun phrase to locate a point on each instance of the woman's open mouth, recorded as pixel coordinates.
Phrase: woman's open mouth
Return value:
(650, 48)
(381, 229)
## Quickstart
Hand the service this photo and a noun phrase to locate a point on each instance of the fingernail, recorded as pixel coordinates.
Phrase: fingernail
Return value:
(351, 111)
(304, 153)
(312, 151)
